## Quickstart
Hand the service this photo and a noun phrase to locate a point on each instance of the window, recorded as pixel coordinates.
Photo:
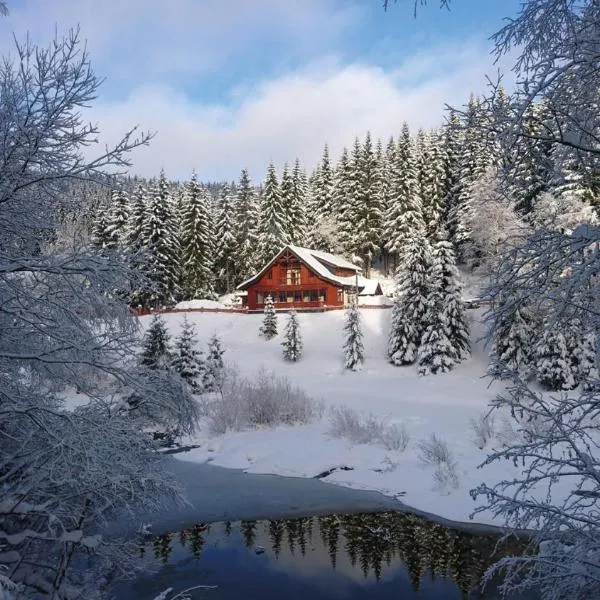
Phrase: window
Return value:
(290, 297)
(293, 276)
(322, 295)
(297, 296)
(314, 296)
(260, 298)
(270, 274)
(306, 296)
(282, 296)
(340, 296)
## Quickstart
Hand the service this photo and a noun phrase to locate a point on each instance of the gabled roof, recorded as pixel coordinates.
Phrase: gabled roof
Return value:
(312, 259)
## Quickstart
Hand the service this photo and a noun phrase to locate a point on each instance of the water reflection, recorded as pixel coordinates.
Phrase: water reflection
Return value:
(377, 548)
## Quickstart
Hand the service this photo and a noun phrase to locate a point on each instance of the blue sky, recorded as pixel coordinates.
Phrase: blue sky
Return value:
(228, 84)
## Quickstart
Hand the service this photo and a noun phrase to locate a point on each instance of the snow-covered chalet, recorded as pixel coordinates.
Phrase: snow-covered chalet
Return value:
(301, 278)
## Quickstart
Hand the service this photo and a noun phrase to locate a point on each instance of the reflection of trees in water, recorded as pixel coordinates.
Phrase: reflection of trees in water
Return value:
(371, 541)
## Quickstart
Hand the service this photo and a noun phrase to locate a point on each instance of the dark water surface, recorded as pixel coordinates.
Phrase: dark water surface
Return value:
(355, 557)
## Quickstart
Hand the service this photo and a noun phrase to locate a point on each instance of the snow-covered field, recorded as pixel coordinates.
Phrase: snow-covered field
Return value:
(440, 404)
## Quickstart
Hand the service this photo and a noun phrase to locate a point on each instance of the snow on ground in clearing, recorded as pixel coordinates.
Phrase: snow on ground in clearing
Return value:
(204, 303)
(441, 404)
(375, 301)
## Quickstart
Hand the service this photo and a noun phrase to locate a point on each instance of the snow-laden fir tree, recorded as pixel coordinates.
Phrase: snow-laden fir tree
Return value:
(349, 199)
(247, 215)
(268, 328)
(354, 352)
(323, 188)
(409, 313)
(118, 219)
(433, 183)
(553, 366)
(197, 242)
(100, 229)
(404, 212)
(187, 360)
(214, 367)
(286, 189)
(588, 362)
(163, 260)
(292, 343)
(445, 340)
(272, 230)
(156, 345)
(297, 217)
(225, 242)
(514, 339)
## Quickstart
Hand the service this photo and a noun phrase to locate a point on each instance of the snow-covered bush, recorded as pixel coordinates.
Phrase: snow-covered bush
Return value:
(292, 344)
(214, 368)
(367, 429)
(483, 429)
(395, 437)
(156, 349)
(266, 401)
(434, 451)
(354, 352)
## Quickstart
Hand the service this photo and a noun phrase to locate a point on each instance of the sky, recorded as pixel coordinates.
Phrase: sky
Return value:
(232, 84)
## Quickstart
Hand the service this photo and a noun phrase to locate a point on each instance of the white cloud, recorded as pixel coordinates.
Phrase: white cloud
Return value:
(294, 115)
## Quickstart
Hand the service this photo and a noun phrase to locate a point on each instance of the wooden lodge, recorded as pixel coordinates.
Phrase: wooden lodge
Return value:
(303, 279)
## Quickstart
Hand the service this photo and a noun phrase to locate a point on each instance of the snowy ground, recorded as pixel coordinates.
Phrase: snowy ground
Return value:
(441, 404)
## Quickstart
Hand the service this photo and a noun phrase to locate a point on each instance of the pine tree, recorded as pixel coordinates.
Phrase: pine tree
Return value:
(271, 231)
(354, 353)
(187, 360)
(452, 139)
(514, 339)
(214, 368)
(552, 362)
(164, 251)
(298, 231)
(404, 213)
(100, 228)
(350, 202)
(292, 344)
(445, 340)
(366, 211)
(118, 219)
(386, 163)
(225, 244)
(197, 243)
(432, 179)
(137, 219)
(588, 360)
(246, 228)
(156, 351)
(323, 189)
(287, 201)
(269, 327)
(409, 312)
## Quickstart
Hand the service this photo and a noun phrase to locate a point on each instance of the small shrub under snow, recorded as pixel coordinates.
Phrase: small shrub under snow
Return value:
(266, 401)
(483, 429)
(434, 452)
(367, 429)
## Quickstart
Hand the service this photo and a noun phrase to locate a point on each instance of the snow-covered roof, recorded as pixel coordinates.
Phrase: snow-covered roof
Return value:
(369, 286)
(313, 258)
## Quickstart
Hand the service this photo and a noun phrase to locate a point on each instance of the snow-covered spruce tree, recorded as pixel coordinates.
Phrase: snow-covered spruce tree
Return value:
(351, 187)
(553, 366)
(409, 313)
(297, 220)
(197, 242)
(271, 230)
(292, 343)
(156, 345)
(513, 339)
(445, 341)
(214, 368)
(432, 179)
(404, 206)
(66, 473)
(163, 257)
(588, 360)
(354, 352)
(186, 359)
(268, 328)
(225, 242)
(118, 219)
(247, 215)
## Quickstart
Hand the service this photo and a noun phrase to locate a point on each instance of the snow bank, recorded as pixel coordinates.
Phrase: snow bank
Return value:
(434, 404)
(195, 304)
(375, 301)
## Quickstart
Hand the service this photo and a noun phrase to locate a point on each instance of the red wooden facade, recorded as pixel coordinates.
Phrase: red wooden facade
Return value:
(296, 279)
